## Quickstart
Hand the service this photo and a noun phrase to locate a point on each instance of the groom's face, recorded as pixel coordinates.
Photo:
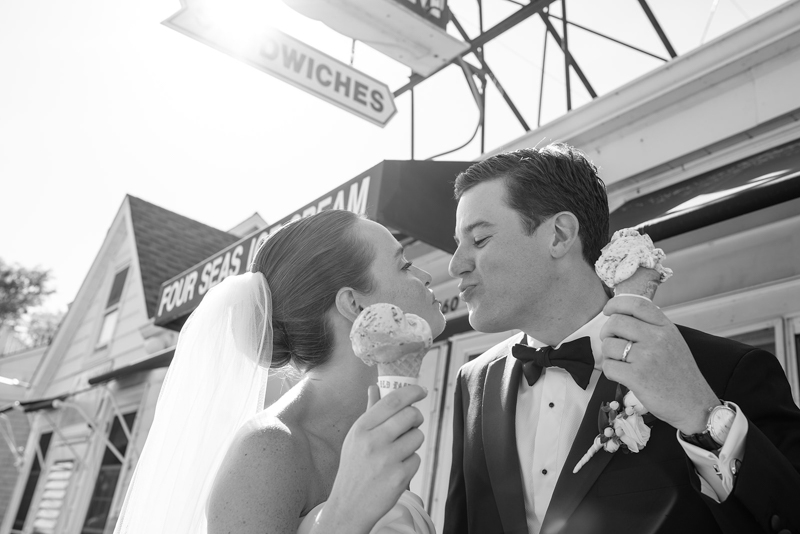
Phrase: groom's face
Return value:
(505, 274)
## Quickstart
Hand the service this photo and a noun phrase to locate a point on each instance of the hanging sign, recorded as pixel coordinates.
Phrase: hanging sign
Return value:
(293, 61)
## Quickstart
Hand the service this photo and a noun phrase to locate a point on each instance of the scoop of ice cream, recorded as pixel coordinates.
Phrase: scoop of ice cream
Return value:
(626, 254)
(382, 334)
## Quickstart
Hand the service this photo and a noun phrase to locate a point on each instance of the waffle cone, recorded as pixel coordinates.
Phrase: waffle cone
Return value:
(407, 365)
(644, 282)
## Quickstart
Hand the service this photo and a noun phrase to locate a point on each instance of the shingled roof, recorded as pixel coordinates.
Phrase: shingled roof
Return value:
(168, 244)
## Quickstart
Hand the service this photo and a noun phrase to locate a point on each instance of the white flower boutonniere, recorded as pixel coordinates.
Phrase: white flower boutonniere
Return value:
(624, 428)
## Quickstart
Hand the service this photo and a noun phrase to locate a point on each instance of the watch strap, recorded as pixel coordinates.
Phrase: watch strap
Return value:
(702, 440)
(705, 440)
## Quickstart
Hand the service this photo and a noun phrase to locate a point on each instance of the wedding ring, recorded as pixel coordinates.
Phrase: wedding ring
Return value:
(626, 350)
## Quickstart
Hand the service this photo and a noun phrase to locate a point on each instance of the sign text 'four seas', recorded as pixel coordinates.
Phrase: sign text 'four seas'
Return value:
(184, 292)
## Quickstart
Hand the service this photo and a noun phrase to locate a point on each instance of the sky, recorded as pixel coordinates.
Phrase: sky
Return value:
(99, 99)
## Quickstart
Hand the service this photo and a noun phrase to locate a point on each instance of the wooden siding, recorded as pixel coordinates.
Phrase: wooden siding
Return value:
(82, 357)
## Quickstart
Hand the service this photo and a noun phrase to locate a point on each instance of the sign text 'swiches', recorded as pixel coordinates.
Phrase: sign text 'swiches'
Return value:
(294, 62)
(183, 293)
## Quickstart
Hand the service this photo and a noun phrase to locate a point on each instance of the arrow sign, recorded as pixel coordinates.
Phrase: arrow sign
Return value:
(293, 61)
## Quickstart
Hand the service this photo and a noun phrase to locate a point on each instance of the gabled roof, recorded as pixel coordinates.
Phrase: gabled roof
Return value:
(168, 244)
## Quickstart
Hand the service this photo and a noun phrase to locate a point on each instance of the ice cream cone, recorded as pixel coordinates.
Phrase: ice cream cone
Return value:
(396, 342)
(631, 264)
(644, 283)
(400, 373)
(407, 365)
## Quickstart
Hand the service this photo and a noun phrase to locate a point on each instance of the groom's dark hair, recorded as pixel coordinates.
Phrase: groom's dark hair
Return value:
(541, 182)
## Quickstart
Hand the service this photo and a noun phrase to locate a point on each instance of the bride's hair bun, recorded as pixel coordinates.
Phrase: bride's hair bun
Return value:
(305, 264)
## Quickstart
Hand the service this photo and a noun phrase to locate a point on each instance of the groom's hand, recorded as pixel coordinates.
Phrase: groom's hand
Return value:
(378, 458)
(659, 367)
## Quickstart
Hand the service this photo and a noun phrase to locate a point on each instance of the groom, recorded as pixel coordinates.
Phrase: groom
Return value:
(724, 449)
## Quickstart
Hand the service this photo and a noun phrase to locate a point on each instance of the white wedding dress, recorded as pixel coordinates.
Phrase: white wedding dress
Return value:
(407, 517)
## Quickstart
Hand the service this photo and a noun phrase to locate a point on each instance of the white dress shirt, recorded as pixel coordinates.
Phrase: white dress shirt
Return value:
(550, 412)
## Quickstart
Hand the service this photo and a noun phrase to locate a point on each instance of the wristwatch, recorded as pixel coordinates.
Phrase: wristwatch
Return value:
(720, 420)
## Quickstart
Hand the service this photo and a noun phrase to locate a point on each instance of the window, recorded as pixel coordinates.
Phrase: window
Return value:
(797, 354)
(107, 478)
(30, 486)
(762, 339)
(112, 309)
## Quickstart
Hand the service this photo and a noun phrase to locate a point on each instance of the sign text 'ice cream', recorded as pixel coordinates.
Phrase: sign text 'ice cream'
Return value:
(183, 293)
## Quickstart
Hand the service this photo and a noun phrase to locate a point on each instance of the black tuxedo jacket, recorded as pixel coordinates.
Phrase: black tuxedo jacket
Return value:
(654, 491)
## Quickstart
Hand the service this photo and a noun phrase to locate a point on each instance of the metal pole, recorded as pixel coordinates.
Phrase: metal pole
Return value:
(118, 412)
(39, 456)
(566, 53)
(657, 27)
(546, 18)
(412, 123)
(63, 439)
(488, 72)
(483, 115)
(93, 426)
(541, 81)
(522, 14)
(609, 38)
(480, 56)
(8, 435)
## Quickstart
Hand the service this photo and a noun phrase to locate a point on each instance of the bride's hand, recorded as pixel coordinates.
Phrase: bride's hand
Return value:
(378, 460)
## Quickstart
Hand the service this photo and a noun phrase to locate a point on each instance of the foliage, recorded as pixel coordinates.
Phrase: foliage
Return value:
(38, 328)
(20, 290)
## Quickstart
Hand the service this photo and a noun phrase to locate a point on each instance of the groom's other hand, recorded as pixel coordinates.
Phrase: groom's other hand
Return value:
(659, 367)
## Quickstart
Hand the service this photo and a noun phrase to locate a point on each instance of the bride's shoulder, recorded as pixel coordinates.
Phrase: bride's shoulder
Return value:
(265, 473)
(269, 438)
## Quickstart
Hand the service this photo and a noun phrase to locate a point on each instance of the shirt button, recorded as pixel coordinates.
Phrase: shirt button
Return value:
(551, 405)
(544, 471)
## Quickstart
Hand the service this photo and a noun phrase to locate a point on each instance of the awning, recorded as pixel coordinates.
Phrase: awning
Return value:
(751, 184)
(157, 361)
(413, 198)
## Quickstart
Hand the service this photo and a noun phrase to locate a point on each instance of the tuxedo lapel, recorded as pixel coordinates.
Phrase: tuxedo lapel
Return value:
(571, 488)
(500, 440)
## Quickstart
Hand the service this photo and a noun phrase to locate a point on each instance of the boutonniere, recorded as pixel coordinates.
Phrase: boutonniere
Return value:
(623, 423)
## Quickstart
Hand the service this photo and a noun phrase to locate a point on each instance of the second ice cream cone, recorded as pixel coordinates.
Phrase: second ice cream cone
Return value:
(644, 283)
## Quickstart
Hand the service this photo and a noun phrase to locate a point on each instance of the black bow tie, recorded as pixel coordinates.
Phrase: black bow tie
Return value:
(574, 356)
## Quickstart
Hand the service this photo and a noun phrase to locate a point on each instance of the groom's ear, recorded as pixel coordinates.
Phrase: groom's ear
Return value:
(347, 303)
(565, 233)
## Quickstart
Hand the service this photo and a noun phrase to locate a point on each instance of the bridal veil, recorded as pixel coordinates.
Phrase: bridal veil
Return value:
(215, 383)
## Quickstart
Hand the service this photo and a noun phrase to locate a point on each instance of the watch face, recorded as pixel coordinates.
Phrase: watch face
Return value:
(720, 422)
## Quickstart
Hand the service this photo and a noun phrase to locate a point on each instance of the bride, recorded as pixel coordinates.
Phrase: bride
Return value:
(328, 456)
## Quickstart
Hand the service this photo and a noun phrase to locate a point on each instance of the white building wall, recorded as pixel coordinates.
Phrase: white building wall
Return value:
(658, 129)
(74, 358)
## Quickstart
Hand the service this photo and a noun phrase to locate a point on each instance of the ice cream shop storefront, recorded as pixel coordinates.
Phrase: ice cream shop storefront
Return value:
(730, 234)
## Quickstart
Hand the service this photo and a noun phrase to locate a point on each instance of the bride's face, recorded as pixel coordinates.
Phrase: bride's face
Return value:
(397, 281)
